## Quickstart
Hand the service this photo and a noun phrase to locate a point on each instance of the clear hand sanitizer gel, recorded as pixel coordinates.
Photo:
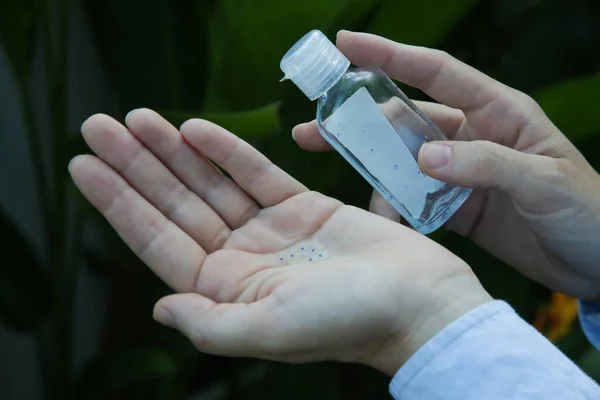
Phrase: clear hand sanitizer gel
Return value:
(375, 127)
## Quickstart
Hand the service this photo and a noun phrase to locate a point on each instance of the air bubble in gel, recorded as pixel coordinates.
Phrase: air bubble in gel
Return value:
(306, 250)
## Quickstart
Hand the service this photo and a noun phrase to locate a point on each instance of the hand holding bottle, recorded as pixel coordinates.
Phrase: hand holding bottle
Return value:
(537, 200)
(351, 116)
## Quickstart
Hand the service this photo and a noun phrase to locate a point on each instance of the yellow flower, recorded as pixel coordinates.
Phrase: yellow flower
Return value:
(555, 320)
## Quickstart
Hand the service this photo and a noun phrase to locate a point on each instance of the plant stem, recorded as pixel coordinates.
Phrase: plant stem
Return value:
(56, 345)
(46, 206)
(170, 56)
(35, 147)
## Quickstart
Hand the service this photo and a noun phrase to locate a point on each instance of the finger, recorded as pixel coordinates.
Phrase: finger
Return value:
(115, 145)
(253, 172)
(441, 76)
(173, 255)
(483, 164)
(226, 329)
(308, 137)
(381, 206)
(225, 197)
(447, 119)
(494, 111)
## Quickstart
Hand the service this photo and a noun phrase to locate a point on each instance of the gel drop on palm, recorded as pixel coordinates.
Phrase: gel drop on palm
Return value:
(375, 127)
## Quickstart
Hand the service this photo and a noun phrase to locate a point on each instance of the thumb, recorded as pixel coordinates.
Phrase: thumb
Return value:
(229, 329)
(483, 164)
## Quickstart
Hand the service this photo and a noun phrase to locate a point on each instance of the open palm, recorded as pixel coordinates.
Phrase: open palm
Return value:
(266, 268)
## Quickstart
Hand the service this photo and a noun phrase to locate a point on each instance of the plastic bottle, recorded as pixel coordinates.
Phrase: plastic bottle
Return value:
(375, 127)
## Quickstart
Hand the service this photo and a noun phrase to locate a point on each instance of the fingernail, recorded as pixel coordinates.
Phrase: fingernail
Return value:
(129, 114)
(163, 316)
(82, 125)
(71, 163)
(341, 31)
(294, 130)
(182, 126)
(435, 155)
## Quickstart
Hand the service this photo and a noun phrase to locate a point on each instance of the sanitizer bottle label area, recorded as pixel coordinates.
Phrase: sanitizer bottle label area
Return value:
(361, 126)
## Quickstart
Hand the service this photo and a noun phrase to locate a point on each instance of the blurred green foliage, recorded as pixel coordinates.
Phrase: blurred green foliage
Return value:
(219, 59)
(23, 286)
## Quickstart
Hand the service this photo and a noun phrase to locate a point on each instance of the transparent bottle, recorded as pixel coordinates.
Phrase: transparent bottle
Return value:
(375, 127)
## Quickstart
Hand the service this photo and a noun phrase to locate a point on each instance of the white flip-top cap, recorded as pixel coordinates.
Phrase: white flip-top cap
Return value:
(314, 64)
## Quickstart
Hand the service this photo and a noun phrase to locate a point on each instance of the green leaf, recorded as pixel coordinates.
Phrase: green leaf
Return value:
(248, 38)
(423, 23)
(259, 123)
(574, 344)
(355, 15)
(24, 293)
(589, 362)
(573, 106)
(120, 370)
(17, 29)
(155, 58)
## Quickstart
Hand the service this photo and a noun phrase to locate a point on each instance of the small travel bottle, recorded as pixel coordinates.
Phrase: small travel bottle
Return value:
(375, 127)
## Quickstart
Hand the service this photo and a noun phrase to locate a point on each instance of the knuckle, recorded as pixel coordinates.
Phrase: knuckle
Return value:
(246, 215)
(219, 239)
(561, 170)
(551, 173)
(200, 341)
(442, 54)
(395, 109)
(487, 159)
(438, 59)
(526, 101)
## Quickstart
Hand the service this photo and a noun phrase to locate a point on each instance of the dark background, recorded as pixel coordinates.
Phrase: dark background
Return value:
(220, 60)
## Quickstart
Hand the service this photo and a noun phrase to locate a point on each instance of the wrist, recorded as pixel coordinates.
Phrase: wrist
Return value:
(449, 306)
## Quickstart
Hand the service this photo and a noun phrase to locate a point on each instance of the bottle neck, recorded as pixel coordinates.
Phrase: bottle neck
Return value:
(330, 82)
